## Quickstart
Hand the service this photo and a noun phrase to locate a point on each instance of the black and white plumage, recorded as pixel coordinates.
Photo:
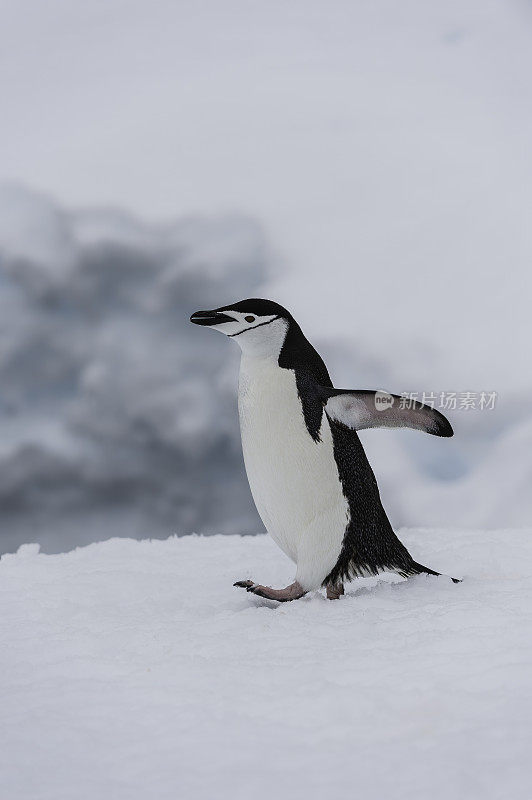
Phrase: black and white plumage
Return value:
(311, 481)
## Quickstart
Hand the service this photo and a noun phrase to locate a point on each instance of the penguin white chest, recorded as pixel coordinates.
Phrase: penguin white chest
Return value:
(294, 479)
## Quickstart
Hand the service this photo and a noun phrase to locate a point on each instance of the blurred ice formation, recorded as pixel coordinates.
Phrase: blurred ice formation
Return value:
(116, 415)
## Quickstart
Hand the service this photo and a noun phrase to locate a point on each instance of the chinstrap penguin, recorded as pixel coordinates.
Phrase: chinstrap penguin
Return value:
(308, 473)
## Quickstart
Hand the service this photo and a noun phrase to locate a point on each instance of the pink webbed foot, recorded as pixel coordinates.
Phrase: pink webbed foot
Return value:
(335, 590)
(292, 592)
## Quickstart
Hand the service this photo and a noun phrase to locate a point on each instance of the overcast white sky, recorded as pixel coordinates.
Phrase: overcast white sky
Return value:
(385, 146)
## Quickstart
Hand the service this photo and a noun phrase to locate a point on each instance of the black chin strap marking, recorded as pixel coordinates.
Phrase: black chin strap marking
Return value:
(254, 326)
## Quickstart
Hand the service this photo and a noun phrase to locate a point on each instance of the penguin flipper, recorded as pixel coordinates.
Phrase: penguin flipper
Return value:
(362, 408)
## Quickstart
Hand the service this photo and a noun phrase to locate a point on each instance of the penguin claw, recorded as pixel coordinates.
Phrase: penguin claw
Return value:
(255, 589)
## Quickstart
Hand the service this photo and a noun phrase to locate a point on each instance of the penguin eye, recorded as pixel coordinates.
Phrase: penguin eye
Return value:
(250, 318)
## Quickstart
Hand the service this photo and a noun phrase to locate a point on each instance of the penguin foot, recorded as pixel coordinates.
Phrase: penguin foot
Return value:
(335, 590)
(244, 584)
(292, 592)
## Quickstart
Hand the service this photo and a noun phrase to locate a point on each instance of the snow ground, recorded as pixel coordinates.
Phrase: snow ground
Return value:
(133, 669)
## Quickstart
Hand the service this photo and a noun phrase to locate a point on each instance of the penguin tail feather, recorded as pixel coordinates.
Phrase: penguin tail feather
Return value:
(418, 569)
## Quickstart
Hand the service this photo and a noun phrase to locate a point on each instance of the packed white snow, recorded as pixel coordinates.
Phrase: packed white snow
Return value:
(135, 670)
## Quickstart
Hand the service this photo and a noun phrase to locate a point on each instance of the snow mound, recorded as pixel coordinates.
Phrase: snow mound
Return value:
(133, 669)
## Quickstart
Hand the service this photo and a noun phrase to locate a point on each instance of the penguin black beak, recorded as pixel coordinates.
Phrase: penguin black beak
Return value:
(210, 318)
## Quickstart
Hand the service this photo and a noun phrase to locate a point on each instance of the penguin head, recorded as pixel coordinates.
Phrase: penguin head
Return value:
(258, 326)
